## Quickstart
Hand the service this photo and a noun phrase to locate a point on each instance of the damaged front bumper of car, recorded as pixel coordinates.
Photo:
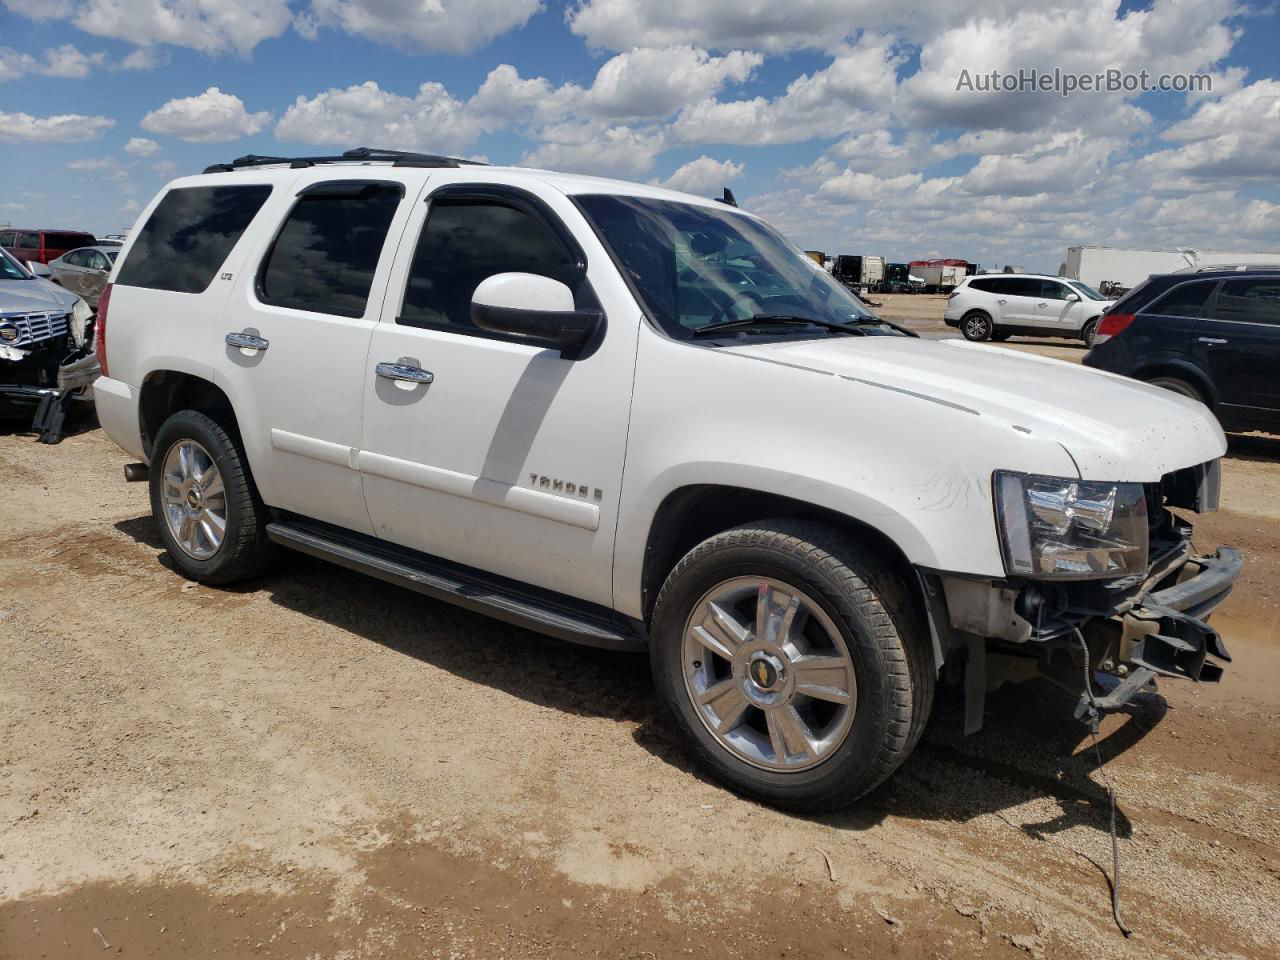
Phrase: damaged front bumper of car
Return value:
(40, 376)
(1104, 641)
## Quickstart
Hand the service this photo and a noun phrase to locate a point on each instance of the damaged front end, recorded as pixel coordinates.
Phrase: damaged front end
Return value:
(1116, 635)
(47, 364)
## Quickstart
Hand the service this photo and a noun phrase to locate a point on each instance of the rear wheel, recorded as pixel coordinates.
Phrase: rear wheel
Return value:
(1088, 332)
(795, 663)
(206, 507)
(1177, 385)
(976, 326)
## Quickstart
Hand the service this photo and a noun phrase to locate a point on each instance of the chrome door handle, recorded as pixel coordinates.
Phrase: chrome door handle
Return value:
(246, 341)
(1002, 301)
(1211, 340)
(404, 373)
(1042, 304)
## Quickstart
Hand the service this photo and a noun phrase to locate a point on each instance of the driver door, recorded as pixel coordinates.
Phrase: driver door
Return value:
(510, 458)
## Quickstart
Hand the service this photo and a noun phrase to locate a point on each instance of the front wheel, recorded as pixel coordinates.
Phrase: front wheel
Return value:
(1089, 332)
(206, 507)
(1178, 386)
(795, 661)
(976, 326)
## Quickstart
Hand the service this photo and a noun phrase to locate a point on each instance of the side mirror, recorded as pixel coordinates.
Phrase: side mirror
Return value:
(1073, 298)
(533, 308)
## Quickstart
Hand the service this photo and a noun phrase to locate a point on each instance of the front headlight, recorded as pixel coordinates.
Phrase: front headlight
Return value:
(1070, 529)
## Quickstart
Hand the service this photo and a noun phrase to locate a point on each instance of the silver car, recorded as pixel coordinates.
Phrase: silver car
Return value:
(85, 271)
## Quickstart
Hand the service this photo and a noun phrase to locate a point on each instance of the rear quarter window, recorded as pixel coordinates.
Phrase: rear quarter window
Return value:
(189, 235)
(1187, 300)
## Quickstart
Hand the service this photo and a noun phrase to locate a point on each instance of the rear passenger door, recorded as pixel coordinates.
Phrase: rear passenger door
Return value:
(1015, 298)
(1239, 342)
(510, 458)
(292, 345)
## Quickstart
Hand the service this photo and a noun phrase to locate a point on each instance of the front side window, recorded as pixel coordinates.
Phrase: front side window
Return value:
(1252, 300)
(1087, 291)
(75, 258)
(326, 253)
(466, 241)
(1052, 290)
(687, 263)
(189, 235)
(1187, 300)
(9, 268)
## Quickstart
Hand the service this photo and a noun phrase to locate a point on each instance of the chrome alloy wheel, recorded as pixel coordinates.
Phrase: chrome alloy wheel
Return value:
(769, 674)
(195, 501)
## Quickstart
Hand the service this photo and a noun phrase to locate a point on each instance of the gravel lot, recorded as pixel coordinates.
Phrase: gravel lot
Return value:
(321, 765)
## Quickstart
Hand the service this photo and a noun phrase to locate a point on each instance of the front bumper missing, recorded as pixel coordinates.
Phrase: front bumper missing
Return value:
(1165, 633)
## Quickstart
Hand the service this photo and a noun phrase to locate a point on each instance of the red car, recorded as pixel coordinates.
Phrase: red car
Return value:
(41, 246)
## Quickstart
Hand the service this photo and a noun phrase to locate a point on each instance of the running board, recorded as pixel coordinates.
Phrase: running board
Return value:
(462, 586)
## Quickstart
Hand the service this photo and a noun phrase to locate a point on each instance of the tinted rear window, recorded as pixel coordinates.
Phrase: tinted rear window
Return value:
(1251, 300)
(68, 241)
(327, 251)
(1187, 300)
(985, 284)
(188, 236)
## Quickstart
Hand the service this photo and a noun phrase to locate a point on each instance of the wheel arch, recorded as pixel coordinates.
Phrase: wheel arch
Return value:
(164, 392)
(1182, 370)
(692, 513)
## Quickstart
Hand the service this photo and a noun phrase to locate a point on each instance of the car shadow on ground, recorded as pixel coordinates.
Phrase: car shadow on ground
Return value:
(1030, 749)
(17, 424)
(1259, 447)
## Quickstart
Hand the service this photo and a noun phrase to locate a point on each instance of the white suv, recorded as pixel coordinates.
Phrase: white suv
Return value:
(551, 399)
(997, 306)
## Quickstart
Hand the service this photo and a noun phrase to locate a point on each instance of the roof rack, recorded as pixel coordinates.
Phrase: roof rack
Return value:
(1231, 268)
(397, 158)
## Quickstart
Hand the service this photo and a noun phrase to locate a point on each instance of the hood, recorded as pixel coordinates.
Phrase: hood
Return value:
(34, 296)
(1113, 427)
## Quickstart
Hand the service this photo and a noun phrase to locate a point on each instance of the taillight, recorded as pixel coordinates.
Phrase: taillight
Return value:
(100, 329)
(953, 294)
(1110, 325)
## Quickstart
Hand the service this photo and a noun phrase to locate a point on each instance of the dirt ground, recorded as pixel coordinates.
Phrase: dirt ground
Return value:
(318, 765)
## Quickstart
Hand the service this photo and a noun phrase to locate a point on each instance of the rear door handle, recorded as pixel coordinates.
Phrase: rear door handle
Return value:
(247, 341)
(1042, 304)
(405, 373)
(1002, 301)
(1211, 340)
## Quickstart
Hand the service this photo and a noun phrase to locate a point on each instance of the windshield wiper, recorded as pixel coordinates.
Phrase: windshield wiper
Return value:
(781, 319)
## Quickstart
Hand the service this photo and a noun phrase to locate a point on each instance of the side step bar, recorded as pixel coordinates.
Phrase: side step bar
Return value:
(458, 585)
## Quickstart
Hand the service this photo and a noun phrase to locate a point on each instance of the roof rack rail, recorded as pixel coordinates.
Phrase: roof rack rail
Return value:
(397, 158)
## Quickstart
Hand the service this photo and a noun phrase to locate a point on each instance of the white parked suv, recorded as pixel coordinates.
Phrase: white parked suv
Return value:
(549, 398)
(997, 306)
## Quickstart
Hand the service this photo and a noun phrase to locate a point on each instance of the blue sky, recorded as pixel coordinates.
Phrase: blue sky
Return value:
(837, 119)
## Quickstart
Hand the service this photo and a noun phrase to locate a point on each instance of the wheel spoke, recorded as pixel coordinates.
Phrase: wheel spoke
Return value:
(786, 725)
(211, 483)
(774, 615)
(720, 632)
(730, 708)
(717, 690)
(824, 678)
(185, 465)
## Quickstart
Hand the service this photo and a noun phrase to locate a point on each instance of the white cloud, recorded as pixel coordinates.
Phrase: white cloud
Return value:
(211, 26)
(63, 128)
(141, 147)
(108, 168)
(365, 114)
(826, 103)
(165, 168)
(63, 61)
(145, 58)
(447, 26)
(704, 175)
(211, 117)
(594, 148)
(652, 82)
(760, 25)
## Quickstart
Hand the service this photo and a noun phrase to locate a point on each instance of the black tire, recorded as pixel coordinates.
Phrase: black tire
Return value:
(977, 326)
(1000, 337)
(245, 549)
(881, 624)
(1088, 331)
(1177, 385)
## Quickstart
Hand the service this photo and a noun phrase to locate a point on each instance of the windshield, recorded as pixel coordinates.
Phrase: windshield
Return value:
(1087, 290)
(695, 266)
(9, 268)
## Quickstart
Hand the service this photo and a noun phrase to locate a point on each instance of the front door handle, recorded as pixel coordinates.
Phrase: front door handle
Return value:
(404, 372)
(1042, 304)
(1211, 340)
(1002, 301)
(247, 341)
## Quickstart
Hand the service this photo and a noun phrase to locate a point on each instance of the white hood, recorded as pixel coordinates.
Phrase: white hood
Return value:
(1113, 427)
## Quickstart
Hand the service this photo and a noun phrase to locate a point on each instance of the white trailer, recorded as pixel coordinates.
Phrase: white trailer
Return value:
(872, 272)
(1128, 268)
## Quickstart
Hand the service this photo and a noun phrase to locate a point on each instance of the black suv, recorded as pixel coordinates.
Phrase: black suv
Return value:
(1213, 335)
